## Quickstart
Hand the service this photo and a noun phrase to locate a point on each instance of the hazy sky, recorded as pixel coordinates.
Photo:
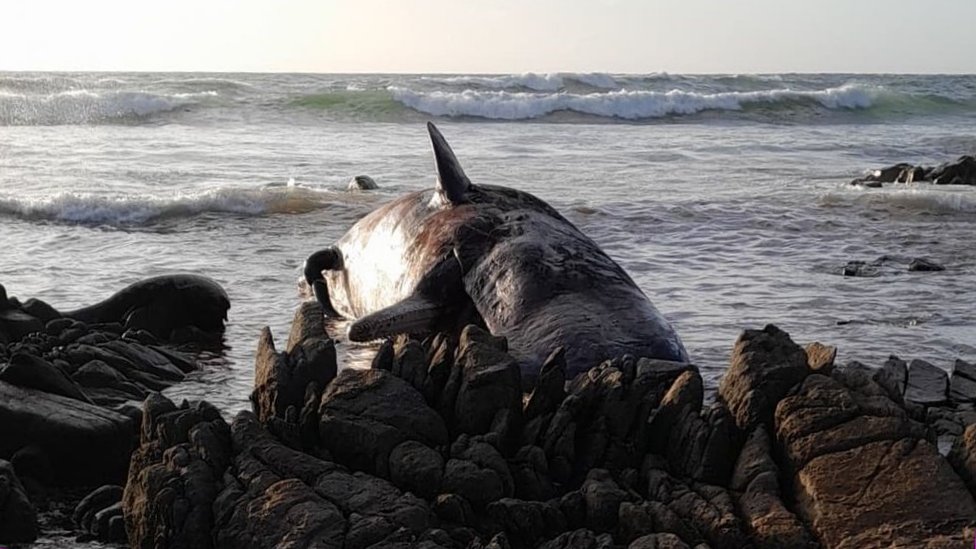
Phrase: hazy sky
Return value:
(496, 36)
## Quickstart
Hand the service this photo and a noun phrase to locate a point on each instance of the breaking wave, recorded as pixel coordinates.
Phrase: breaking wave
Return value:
(624, 104)
(90, 107)
(92, 209)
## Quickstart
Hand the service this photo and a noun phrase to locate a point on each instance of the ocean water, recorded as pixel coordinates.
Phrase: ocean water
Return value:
(724, 196)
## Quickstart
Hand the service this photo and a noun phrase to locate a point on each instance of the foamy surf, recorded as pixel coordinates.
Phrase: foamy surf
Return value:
(623, 104)
(94, 209)
(912, 198)
(530, 80)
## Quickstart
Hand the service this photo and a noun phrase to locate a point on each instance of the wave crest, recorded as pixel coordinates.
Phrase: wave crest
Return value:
(92, 209)
(86, 107)
(623, 104)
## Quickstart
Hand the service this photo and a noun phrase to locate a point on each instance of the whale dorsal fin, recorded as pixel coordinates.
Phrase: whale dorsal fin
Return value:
(451, 181)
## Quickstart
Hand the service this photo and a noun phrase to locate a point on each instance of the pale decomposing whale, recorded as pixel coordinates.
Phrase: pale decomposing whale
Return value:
(421, 262)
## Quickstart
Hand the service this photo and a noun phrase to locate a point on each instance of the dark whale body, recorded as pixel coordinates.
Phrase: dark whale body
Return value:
(421, 261)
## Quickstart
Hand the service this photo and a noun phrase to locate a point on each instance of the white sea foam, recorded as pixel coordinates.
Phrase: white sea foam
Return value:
(93, 209)
(86, 106)
(625, 104)
(918, 198)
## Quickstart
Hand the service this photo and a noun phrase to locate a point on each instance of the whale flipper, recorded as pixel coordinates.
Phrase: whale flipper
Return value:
(438, 295)
(452, 183)
(413, 315)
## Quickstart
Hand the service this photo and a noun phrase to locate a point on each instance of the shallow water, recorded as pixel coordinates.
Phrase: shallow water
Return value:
(729, 215)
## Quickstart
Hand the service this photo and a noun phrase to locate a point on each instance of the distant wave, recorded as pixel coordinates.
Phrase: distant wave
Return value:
(91, 209)
(86, 107)
(623, 104)
(529, 80)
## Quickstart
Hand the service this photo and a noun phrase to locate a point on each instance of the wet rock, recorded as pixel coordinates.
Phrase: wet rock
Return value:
(26, 370)
(40, 310)
(18, 519)
(530, 473)
(489, 396)
(98, 500)
(282, 380)
(169, 498)
(820, 357)
(16, 324)
(927, 384)
(962, 388)
(862, 471)
(765, 365)
(527, 522)
(366, 413)
(756, 486)
(417, 468)
(658, 541)
(580, 539)
(962, 171)
(362, 183)
(603, 497)
(171, 307)
(86, 444)
(695, 512)
(860, 269)
(921, 264)
(893, 378)
(477, 472)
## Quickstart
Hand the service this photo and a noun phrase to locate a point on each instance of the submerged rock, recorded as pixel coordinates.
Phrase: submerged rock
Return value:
(961, 171)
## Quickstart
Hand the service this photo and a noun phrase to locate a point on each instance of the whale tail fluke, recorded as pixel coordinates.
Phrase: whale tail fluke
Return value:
(452, 183)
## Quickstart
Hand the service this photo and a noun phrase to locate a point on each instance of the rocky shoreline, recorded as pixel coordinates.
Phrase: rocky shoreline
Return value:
(437, 445)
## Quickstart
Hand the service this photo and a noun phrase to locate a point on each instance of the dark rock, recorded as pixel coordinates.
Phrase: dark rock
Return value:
(366, 413)
(962, 389)
(920, 264)
(168, 306)
(860, 269)
(962, 171)
(893, 377)
(862, 471)
(58, 325)
(580, 539)
(489, 395)
(765, 365)
(658, 541)
(86, 444)
(477, 472)
(26, 370)
(964, 369)
(927, 384)
(145, 359)
(417, 468)
(383, 360)
(695, 512)
(31, 462)
(549, 390)
(530, 473)
(281, 379)
(99, 499)
(17, 324)
(40, 310)
(755, 483)
(603, 497)
(18, 519)
(453, 508)
(169, 499)
(362, 183)
(527, 522)
(409, 362)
